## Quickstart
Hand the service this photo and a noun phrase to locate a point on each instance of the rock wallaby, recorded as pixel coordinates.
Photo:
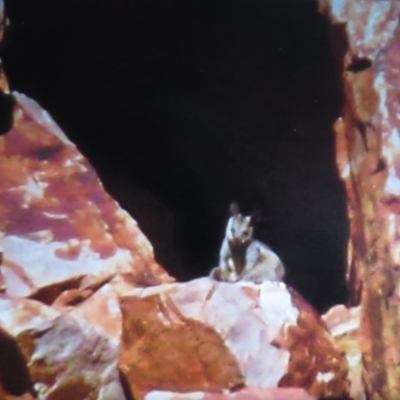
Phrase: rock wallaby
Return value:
(242, 258)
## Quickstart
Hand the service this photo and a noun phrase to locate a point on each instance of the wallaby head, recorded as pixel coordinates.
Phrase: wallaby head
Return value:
(239, 230)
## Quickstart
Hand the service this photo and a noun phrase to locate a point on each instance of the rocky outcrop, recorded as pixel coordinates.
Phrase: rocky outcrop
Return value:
(59, 228)
(81, 291)
(64, 242)
(57, 356)
(344, 324)
(368, 155)
(217, 336)
(87, 313)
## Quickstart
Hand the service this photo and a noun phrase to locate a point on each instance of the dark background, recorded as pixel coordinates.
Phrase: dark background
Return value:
(185, 105)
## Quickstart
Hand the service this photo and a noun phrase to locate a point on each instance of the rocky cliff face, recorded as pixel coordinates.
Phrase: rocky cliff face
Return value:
(55, 211)
(81, 291)
(368, 154)
(344, 325)
(64, 240)
(87, 313)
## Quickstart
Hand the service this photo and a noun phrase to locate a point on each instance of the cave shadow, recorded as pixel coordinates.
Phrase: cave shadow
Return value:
(197, 104)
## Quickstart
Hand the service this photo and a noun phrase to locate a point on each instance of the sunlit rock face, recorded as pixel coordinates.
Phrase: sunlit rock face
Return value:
(343, 324)
(59, 228)
(215, 336)
(368, 157)
(243, 394)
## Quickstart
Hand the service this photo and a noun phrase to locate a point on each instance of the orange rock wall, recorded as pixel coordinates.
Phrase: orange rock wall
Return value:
(368, 156)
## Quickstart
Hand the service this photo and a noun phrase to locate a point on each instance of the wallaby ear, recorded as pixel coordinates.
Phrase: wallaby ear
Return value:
(234, 208)
(256, 217)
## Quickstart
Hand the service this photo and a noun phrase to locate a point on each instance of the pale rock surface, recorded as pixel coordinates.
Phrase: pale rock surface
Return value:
(100, 308)
(65, 356)
(243, 394)
(59, 229)
(344, 324)
(216, 335)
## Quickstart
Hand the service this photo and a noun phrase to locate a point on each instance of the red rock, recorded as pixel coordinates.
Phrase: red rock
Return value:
(66, 357)
(368, 157)
(243, 394)
(57, 223)
(67, 243)
(215, 336)
(64, 241)
(344, 325)
(100, 309)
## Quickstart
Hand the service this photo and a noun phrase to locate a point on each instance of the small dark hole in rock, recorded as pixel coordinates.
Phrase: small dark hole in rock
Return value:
(125, 386)
(363, 130)
(48, 294)
(359, 64)
(14, 374)
(237, 387)
(47, 152)
(381, 166)
(331, 398)
(7, 103)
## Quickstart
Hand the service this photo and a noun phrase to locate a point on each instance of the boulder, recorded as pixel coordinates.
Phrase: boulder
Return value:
(54, 356)
(100, 308)
(59, 229)
(65, 242)
(210, 336)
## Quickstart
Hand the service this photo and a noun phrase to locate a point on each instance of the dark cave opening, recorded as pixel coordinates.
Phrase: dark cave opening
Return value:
(359, 64)
(14, 374)
(7, 103)
(183, 107)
